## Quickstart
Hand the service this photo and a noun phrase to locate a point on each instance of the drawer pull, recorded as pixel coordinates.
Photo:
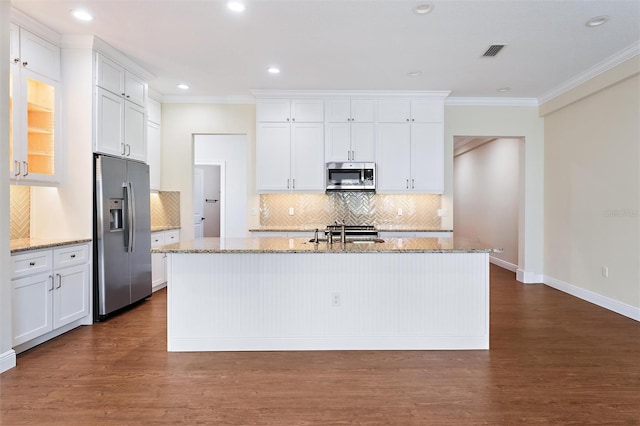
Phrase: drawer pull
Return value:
(73, 256)
(32, 263)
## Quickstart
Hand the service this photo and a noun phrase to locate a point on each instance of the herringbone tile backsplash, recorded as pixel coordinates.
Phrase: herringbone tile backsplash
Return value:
(355, 208)
(165, 208)
(20, 212)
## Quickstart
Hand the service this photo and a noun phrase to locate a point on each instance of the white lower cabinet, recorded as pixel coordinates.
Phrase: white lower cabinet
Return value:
(51, 289)
(159, 260)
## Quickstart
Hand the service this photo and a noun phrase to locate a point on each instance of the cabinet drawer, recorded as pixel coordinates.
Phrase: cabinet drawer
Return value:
(69, 256)
(31, 263)
(157, 239)
(171, 237)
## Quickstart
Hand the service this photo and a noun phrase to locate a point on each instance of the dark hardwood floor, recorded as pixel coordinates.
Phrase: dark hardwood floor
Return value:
(554, 359)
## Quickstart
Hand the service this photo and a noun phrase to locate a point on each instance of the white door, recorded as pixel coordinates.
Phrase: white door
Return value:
(198, 203)
(273, 161)
(70, 295)
(212, 199)
(135, 131)
(109, 123)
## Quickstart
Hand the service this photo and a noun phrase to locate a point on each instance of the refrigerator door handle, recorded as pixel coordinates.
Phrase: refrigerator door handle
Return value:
(132, 212)
(128, 242)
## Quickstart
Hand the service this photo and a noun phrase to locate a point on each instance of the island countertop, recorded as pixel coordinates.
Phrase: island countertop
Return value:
(303, 245)
(379, 228)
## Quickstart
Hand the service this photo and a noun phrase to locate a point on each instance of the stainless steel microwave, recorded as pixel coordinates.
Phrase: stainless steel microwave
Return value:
(351, 176)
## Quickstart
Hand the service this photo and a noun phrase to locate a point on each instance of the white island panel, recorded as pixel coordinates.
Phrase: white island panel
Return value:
(327, 301)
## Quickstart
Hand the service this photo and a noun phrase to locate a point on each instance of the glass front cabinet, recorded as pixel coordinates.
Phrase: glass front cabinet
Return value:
(34, 106)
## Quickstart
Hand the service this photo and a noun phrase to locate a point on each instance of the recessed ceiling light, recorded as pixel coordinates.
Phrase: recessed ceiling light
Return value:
(414, 73)
(597, 21)
(273, 70)
(504, 89)
(81, 15)
(236, 6)
(422, 8)
(183, 86)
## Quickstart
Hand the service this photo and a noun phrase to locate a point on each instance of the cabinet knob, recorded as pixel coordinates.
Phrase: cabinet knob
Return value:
(413, 119)
(32, 263)
(25, 63)
(287, 119)
(73, 256)
(407, 119)
(16, 60)
(123, 94)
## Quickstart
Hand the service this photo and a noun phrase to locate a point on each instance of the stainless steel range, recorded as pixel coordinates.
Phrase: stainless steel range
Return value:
(339, 232)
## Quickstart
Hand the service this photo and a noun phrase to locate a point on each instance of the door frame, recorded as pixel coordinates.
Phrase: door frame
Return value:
(223, 186)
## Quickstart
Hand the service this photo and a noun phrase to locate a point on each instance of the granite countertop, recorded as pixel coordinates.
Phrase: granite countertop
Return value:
(26, 244)
(164, 228)
(302, 245)
(379, 228)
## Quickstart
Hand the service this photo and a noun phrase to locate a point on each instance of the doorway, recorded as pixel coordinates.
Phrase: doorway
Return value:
(207, 194)
(220, 173)
(488, 192)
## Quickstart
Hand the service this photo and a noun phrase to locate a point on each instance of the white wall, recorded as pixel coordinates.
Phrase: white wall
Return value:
(179, 123)
(232, 151)
(7, 355)
(506, 121)
(592, 194)
(486, 196)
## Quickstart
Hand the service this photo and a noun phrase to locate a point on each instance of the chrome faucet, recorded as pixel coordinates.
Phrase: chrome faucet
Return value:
(343, 231)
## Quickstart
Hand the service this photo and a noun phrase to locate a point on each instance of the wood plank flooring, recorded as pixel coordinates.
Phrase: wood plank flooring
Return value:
(554, 359)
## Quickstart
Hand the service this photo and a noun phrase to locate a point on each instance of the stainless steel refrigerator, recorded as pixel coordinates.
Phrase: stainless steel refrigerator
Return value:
(122, 234)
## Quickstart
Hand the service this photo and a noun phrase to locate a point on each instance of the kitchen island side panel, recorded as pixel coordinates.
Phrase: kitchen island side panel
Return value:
(330, 301)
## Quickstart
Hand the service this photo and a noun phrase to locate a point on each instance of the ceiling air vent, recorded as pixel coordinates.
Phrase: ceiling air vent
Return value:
(493, 50)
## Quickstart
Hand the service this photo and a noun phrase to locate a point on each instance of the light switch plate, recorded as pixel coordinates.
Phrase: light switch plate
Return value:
(291, 211)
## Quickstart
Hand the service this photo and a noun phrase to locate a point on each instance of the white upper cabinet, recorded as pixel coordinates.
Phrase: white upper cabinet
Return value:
(412, 158)
(289, 157)
(350, 130)
(121, 115)
(34, 105)
(354, 110)
(402, 132)
(115, 78)
(154, 139)
(287, 110)
(154, 111)
(34, 53)
(410, 146)
(406, 111)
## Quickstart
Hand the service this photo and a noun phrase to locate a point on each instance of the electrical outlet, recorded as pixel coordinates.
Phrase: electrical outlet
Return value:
(291, 211)
(399, 212)
(443, 212)
(254, 212)
(335, 299)
(605, 271)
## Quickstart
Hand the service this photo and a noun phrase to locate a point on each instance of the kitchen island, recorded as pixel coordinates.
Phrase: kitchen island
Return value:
(293, 294)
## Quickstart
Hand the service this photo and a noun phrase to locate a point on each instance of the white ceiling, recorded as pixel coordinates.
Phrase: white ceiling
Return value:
(354, 44)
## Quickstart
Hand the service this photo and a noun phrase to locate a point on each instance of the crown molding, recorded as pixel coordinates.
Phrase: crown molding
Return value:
(361, 94)
(600, 68)
(526, 102)
(19, 18)
(179, 99)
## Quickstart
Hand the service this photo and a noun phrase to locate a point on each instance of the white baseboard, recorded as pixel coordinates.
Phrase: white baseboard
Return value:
(595, 298)
(503, 264)
(7, 360)
(528, 277)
